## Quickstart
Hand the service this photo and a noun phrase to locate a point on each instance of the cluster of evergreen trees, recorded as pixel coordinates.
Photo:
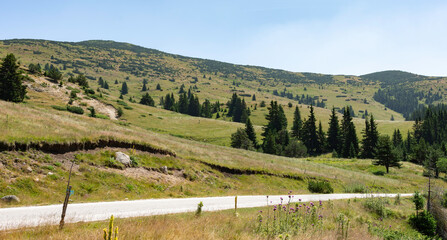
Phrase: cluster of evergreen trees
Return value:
(303, 99)
(188, 103)
(81, 80)
(11, 88)
(52, 72)
(103, 83)
(237, 109)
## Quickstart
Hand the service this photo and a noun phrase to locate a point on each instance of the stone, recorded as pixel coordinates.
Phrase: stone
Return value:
(10, 198)
(50, 173)
(123, 158)
(28, 169)
(164, 169)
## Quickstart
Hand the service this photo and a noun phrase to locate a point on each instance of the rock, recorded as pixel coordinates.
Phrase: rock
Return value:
(28, 169)
(50, 173)
(164, 169)
(10, 198)
(123, 158)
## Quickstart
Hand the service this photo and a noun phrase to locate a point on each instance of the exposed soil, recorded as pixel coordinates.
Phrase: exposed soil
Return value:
(43, 84)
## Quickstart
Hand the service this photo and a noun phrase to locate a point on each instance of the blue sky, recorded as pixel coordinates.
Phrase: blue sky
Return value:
(337, 37)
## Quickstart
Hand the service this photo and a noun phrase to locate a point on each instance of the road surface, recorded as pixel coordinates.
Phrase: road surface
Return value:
(13, 218)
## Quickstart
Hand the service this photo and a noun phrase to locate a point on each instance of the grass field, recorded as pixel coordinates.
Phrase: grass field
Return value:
(364, 224)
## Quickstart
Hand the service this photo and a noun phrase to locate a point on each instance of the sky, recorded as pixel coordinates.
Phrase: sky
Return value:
(331, 36)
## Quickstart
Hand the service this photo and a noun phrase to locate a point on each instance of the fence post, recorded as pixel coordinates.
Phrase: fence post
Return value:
(67, 197)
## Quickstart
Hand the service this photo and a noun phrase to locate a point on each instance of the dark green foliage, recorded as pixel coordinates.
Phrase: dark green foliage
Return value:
(262, 104)
(54, 73)
(11, 88)
(295, 149)
(74, 109)
(424, 222)
(124, 89)
(333, 134)
(81, 80)
(119, 112)
(206, 109)
(183, 103)
(297, 124)
(322, 138)
(253, 98)
(350, 146)
(269, 144)
(147, 100)
(237, 109)
(370, 138)
(144, 88)
(35, 68)
(309, 134)
(251, 132)
(319, 186)
(169, 102)
(59, 108)
(194, 106)
(158, 87)
(106, 85)
(239, 139)
(92, 112)
(385, 156)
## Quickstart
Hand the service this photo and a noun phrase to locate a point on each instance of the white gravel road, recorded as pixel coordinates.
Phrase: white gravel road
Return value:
(13, 218)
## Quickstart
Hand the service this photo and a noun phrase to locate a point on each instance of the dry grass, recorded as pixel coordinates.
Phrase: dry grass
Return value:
(222, 225)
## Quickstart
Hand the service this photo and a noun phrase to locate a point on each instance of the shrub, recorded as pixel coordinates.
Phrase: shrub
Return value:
(74, 109)
(444, 200)
(199, 209)
(319, 186)
(102, 116)
(379, 173)
(59, 108)
(424, 223)
(355, 188)
(377, 205)
(134, 161)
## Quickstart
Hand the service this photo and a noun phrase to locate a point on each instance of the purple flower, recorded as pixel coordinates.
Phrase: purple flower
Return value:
(299, 199)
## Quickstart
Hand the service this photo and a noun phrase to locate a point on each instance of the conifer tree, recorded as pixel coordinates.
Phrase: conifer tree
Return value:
(397, 138)
(333, 138)
(349, 136)
(385, 156)
(253, 98)
(124, 89)
(11, 88)
(322, 138)
(147, 100)
(194, 106)
(269, 145)
(158, 87)
(297, 123)
(370, 138)
(144, 88)
(251, 132)
(183, 103)
(54, 73)
(309, 134)
(101, 82)
(106, 85)
(206, 109)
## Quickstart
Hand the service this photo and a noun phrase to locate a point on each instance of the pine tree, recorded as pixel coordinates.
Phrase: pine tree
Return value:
(385, 156)
(144, 88)
(147, 100)
(269, 145)
(101, 82)
(206, 109)
(158, 87)
(370, 138)
(251, 132)
(54, 73)
(253, 98)
(116, 81)
(397, 138)
(239, 139)
(322, 138)
(297, 123)
(194, 106)
(349, 136)
(11, 88)
(183, 103)
(333, 138)
(124, 89)
(106, 85)
(309, 134)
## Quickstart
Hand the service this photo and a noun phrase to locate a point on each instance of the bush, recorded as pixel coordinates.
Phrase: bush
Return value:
(112, 163)
(444, 200)
(316, 186)
(379, 173)
(377, 205)
(74, 109)
(424, 223)
(59, 108)
(355, 188)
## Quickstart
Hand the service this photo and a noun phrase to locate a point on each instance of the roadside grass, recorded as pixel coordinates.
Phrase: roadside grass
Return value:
(364, 224)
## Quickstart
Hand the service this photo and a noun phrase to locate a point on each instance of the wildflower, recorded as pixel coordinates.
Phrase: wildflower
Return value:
(321, 204)
(260, 211)
(280, 198)
(299, 199)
